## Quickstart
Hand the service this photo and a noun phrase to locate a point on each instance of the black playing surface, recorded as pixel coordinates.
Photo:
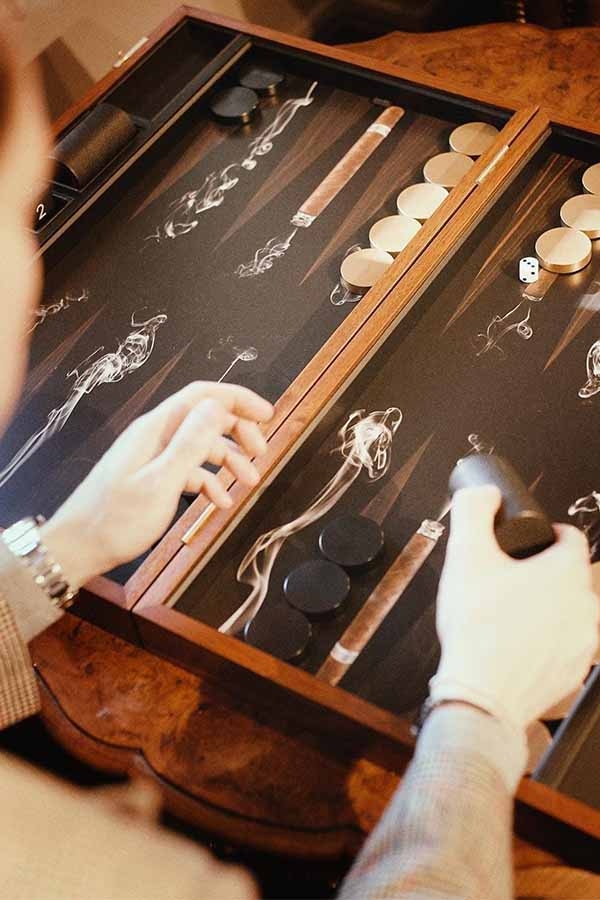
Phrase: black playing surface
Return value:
(143, 298)
(520, 397)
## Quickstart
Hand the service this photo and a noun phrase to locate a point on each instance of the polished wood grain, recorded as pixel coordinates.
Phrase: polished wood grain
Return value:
(523, 64)
(102, 87)
(379, 62)
(359, 725)
(365, 55)
(221, 761)
(504, 64)
(352, 55)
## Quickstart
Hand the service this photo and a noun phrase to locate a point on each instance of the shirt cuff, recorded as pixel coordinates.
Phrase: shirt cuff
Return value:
(31, 608)
(461, 728)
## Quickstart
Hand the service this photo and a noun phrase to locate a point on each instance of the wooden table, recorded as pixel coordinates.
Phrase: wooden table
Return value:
(526, 63)
(222, 762)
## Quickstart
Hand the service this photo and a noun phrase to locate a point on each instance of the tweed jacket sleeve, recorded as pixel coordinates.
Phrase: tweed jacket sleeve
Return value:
(24, 612)
(448, 831)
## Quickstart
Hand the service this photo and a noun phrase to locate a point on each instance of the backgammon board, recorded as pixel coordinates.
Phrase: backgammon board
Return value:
(197, 229)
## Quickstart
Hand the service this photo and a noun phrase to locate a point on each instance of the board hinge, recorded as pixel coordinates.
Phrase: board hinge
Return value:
(195, 527)
(493, 163)
(123, 57)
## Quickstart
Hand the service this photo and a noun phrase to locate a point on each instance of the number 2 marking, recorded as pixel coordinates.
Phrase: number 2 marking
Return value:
(41, 212)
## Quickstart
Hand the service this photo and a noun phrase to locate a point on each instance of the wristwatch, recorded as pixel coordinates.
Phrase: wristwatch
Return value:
(428, 706)
(421, 716)
(24, 540)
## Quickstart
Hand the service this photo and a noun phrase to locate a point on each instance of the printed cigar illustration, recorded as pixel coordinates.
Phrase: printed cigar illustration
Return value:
(381, 601)
(325, 193)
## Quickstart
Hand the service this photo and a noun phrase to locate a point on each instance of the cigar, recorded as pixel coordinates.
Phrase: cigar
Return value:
(348, 166)
(381, 601)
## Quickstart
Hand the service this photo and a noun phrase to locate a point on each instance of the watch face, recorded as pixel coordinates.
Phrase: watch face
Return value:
(22, 537)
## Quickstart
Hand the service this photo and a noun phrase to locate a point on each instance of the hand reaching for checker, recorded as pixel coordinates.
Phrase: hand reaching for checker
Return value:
(517, 635)
(130, 497)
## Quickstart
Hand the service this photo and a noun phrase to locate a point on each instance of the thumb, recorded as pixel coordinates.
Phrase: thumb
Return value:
(473, 513)
(191, 443)
(573, 541)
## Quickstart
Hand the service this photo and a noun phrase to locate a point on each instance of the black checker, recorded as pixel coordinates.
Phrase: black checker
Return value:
(234, 105)
(317, 588)
(351, 541)
(262, 79)
(280, 631)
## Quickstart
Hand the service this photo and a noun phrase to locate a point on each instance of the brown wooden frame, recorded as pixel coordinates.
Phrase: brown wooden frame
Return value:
(364, 728)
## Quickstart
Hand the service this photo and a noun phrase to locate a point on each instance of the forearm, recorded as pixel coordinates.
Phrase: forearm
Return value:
(447, 832)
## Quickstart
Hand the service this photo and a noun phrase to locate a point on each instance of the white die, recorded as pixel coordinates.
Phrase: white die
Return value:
(529, 269)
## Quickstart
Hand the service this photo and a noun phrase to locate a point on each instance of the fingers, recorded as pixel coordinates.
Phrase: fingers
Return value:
(240, 404)
(249, 437)
(572, 541)
(237, 401)
(192, 442)
(199, 439)
(151, 433)
(473, 514)
(202, 482)
(570, 550)
(225, 453)
(561, 708)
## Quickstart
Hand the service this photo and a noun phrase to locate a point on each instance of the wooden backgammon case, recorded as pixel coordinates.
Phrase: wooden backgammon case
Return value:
(180, 244)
